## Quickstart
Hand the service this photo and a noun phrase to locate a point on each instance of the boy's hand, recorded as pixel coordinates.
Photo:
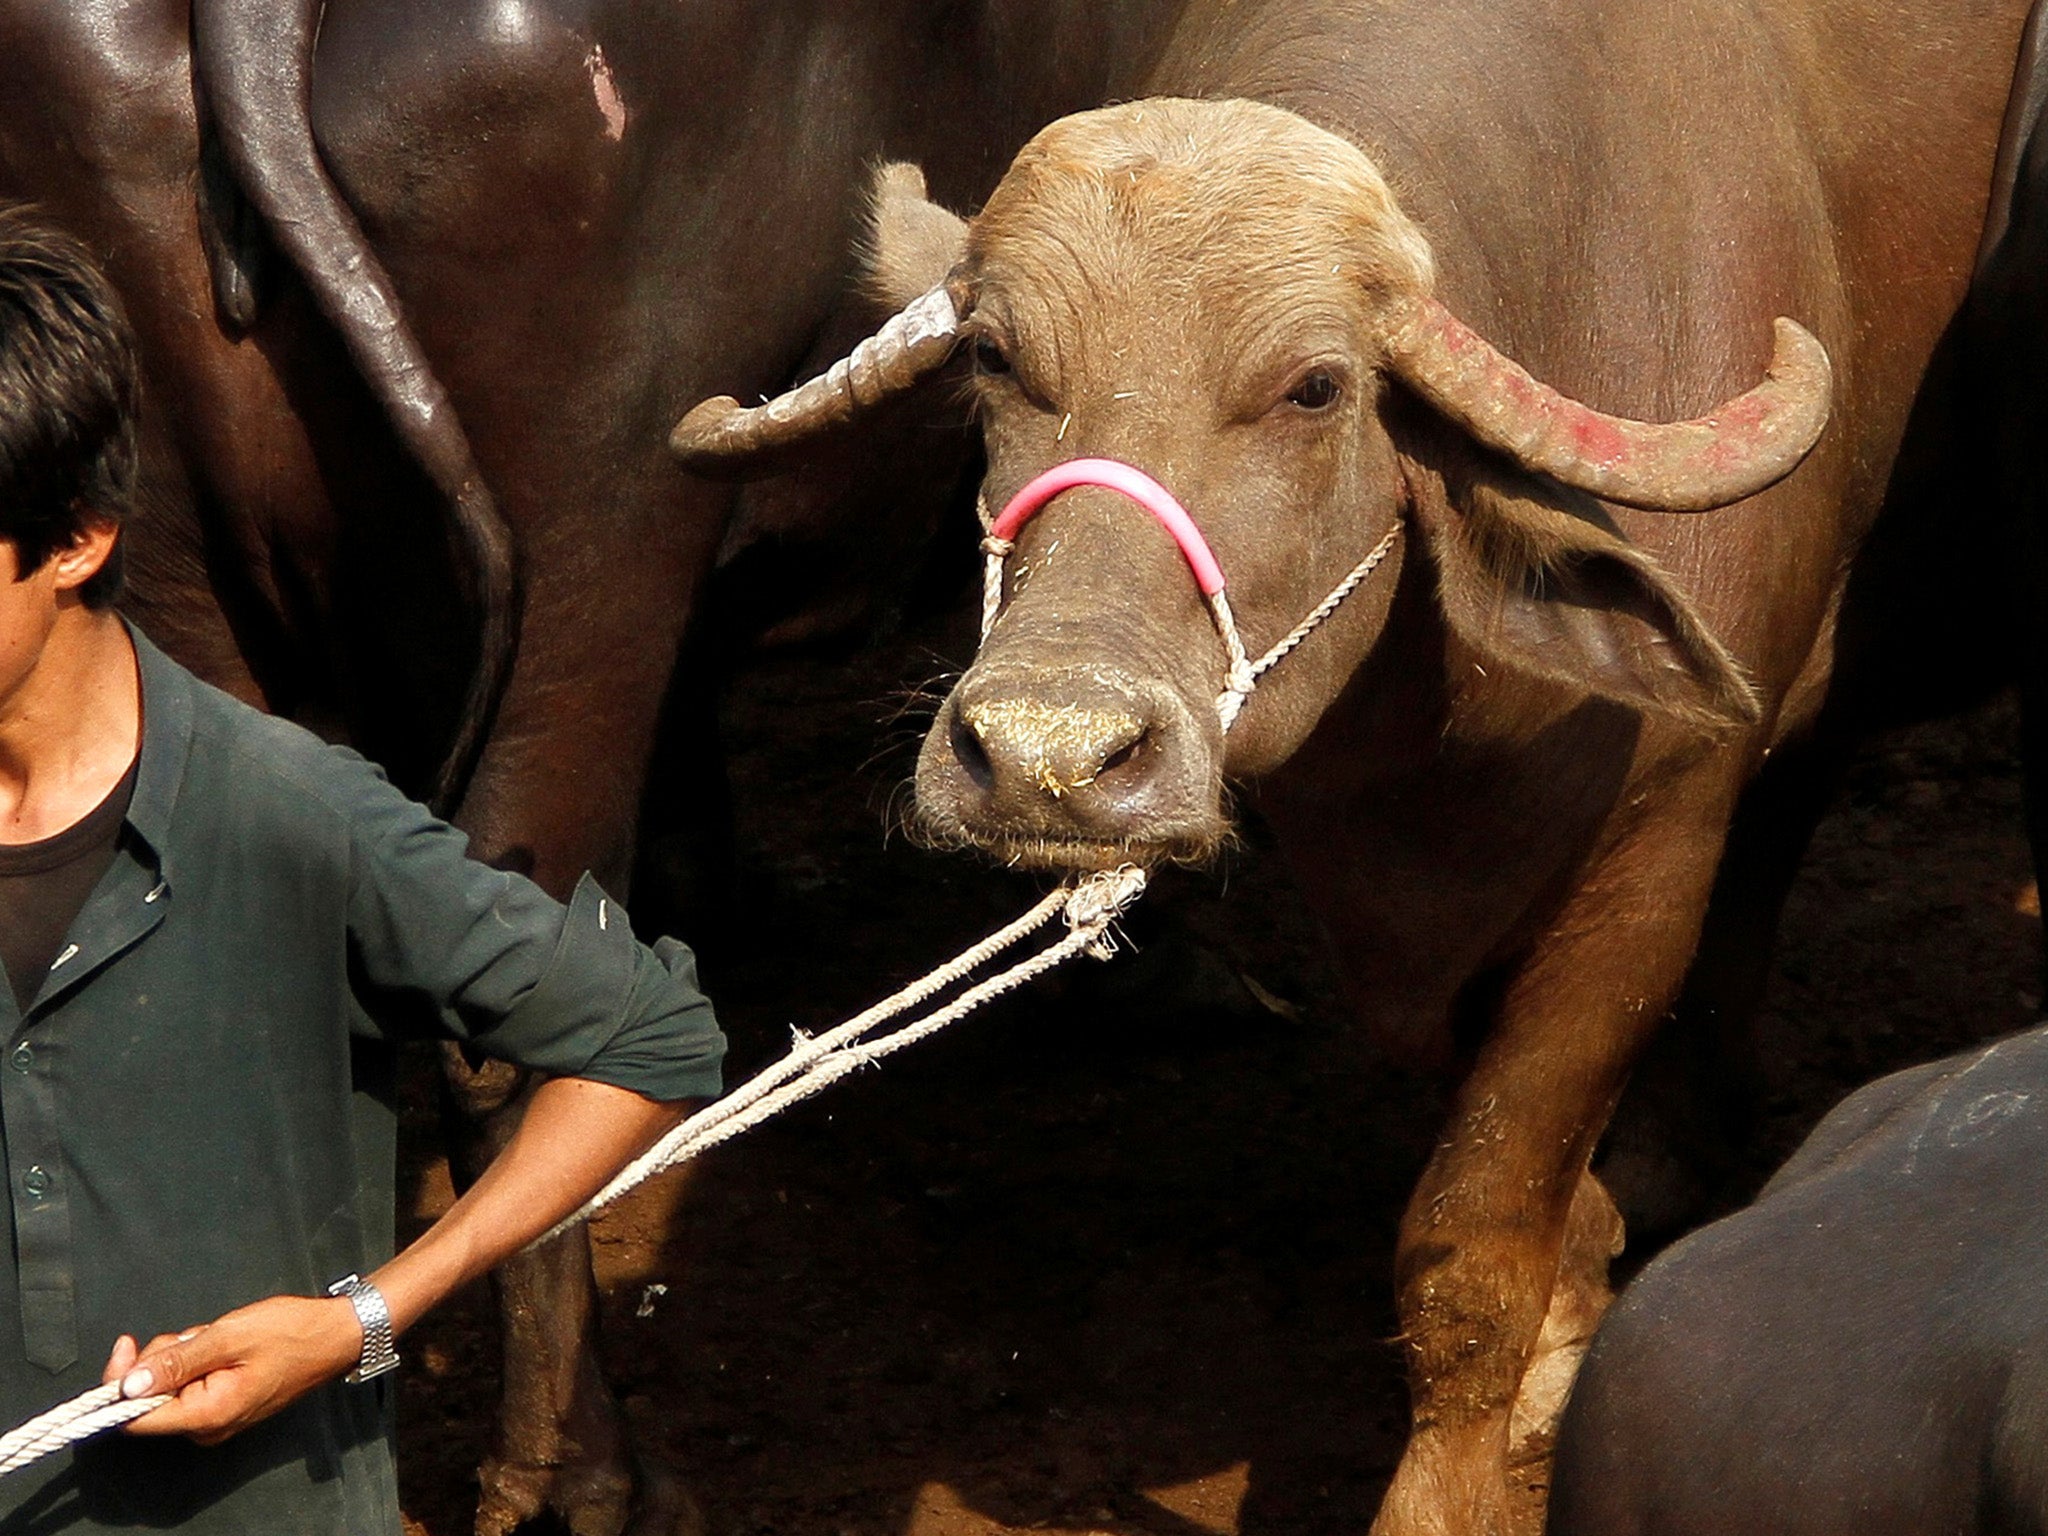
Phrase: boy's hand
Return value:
(227, 1374)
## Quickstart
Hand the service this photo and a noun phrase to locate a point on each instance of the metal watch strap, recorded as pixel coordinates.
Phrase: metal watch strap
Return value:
(378, 1355)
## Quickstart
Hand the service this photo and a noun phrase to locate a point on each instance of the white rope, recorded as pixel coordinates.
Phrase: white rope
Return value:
(86, 1415)
(993, 552)
(1239, 678)
(1328, 605)
(1090, 908)
(1244, 679)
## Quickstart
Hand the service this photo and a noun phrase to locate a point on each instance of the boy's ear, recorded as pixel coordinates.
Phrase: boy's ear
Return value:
(912, 243)
(87, 554)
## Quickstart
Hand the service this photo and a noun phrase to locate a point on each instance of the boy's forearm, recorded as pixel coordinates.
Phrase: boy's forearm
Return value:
(243, 1366)
(574, 1136)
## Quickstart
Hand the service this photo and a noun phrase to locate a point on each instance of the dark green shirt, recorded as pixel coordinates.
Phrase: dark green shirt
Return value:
(196, 1110)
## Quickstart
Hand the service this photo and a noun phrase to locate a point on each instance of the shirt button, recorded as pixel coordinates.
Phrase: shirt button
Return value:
(21, 1059)
(36, 1182)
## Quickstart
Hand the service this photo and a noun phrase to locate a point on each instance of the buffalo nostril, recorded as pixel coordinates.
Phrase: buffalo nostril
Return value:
(1119, 757)
(969, 754)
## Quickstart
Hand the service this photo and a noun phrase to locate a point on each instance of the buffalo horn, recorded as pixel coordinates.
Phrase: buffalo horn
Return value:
(720, 431)
(1750, 442)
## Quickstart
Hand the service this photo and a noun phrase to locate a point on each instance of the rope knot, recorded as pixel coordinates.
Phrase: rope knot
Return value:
(1100, 899)
(1000, 548)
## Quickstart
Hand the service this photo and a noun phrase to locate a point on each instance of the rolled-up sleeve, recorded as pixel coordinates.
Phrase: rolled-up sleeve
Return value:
(442, 944)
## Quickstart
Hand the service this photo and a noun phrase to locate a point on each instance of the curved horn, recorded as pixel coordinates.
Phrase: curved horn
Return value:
(1750, 442)
(913, 343)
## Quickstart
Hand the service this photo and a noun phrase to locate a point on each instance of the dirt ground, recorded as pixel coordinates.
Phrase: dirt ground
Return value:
(1114, 1256)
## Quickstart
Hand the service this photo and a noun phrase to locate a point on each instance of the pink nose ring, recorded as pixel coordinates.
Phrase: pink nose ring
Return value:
(1130, 481)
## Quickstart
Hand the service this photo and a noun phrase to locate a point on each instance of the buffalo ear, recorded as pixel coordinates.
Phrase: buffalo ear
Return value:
(1539, 579)
(912, 243)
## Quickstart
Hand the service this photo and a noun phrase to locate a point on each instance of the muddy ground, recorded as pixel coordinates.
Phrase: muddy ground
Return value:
(1114, 1255)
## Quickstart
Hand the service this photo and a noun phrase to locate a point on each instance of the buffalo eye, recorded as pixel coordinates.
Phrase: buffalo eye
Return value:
(1317, 390)
(988, 357)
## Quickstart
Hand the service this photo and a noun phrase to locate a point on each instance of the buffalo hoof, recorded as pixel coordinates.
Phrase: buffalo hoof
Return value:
(586, 1501)
(510, 1495)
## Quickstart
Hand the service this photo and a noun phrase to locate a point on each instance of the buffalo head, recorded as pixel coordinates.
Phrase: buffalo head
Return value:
(1229, 299)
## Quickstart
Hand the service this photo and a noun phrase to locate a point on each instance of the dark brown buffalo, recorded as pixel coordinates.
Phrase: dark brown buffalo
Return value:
(1506, 768)
(417, 307)
(1861, 1350)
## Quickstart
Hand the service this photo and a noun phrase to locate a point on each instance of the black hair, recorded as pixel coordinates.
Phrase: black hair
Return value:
(69, 390)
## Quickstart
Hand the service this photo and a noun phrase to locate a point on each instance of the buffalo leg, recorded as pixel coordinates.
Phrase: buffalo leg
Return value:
(1483, 1244)
(561, 1440)
(1692, 1102)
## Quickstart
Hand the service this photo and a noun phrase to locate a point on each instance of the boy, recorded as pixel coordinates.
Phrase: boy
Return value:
(214, 929)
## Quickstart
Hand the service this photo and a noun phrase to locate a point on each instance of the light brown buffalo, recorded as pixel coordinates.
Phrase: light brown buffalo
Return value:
(1506, 767)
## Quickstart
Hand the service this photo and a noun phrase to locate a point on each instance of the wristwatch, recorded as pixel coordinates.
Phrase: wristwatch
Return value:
(378, 1355)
